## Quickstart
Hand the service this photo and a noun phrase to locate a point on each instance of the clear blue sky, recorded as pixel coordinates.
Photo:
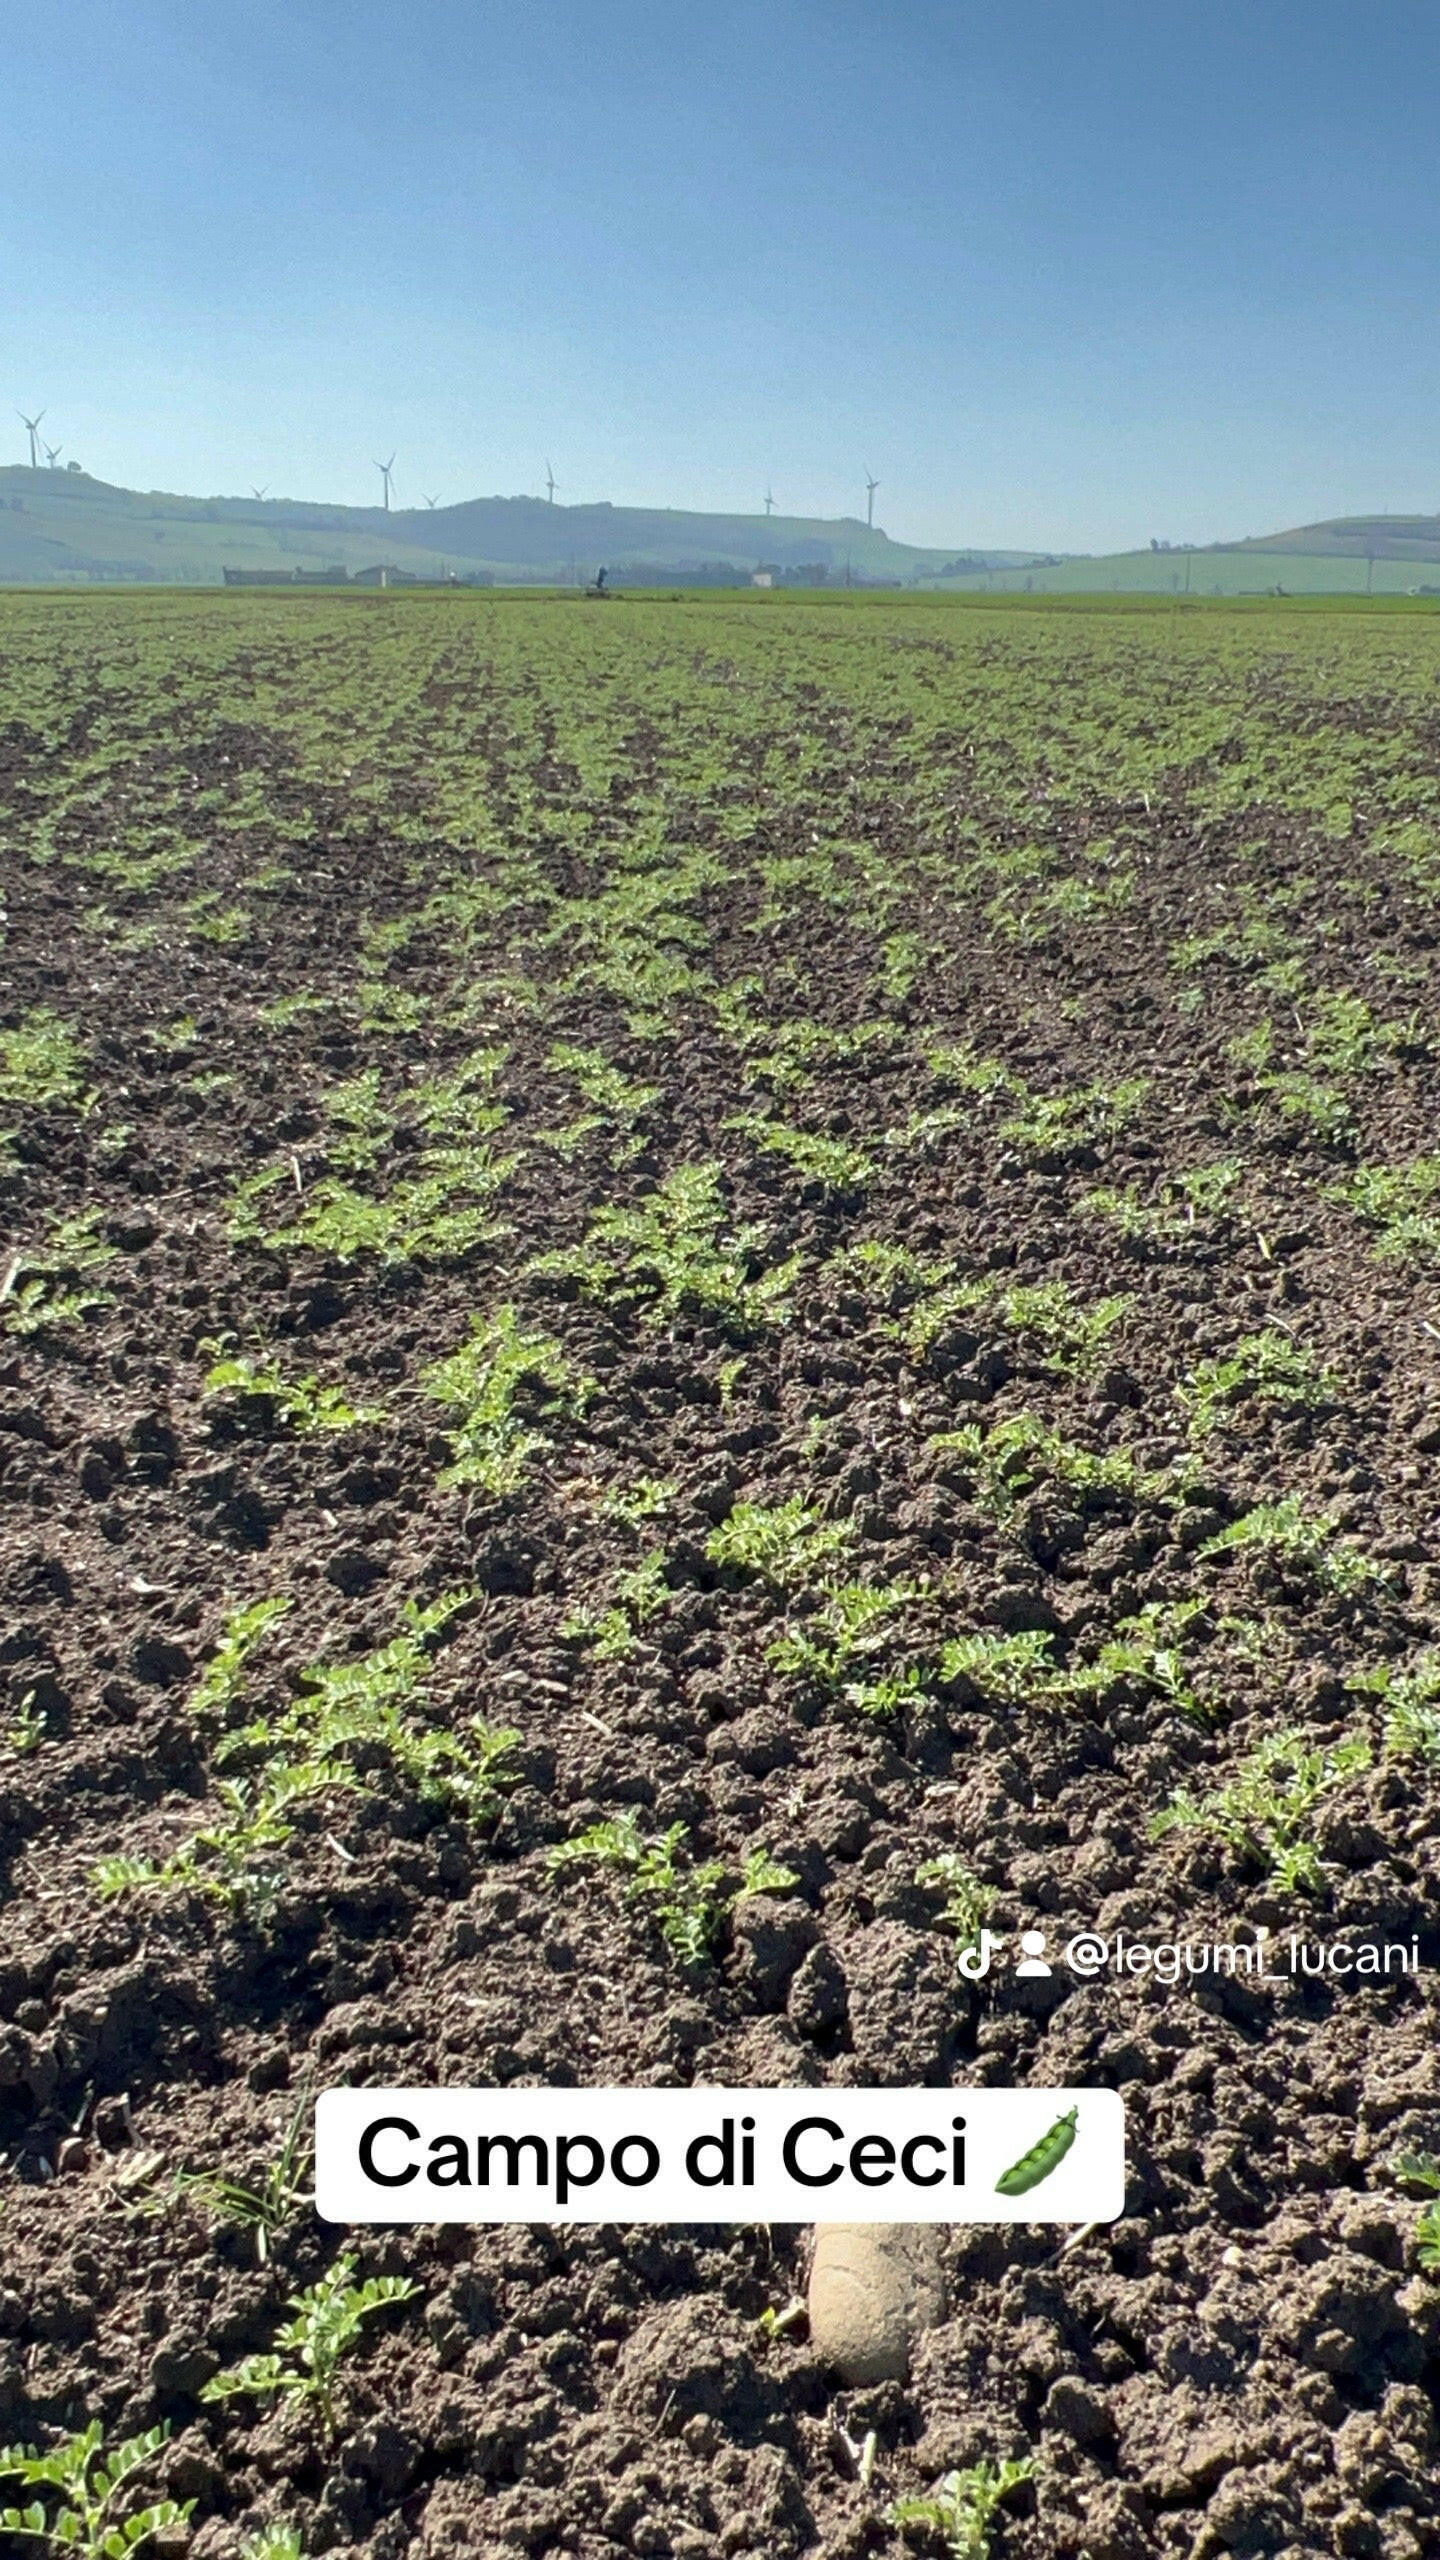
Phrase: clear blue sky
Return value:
(1063, 275)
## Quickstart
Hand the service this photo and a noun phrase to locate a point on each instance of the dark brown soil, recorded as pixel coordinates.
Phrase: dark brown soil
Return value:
(1248, 2363)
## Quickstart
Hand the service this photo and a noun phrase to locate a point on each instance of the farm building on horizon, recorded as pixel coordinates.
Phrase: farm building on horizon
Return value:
(336, 577)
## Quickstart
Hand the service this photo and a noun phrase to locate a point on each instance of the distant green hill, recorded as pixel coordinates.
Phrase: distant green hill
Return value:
(1358, 538)
(62, 526)
(1349, 555)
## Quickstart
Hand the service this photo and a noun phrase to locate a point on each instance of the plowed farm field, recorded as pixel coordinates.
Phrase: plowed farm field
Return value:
(699, 1295)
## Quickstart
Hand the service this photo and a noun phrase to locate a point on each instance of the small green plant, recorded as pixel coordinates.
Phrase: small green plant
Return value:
(1205, 1192)
(267, 2206)
(1146, 1648)
(441, 1216)
(347, 1719)
(1343, 1038)
(310, 2350)
(890, 1693)
(948, 1306)
(602, 1083)
(366, 1707)
(1255, 1049)
(960, 1069)
(361, 1127)
(960, 2510)
(641, 1596)
(617, 1104)
(231, 1858)
(44, 1291)
(440, 1213)
(1316, 1110)
(462, 1107)
(223, 1677)
(785, 1544)
(690, 1901)
(1402, 1204)
(291, 1009)
(1410, 1695)
(928, 1130)
(1059, 1125)
(222, 925)
(646, 1499)
(1422, 2169)
(1267, 1809)
(1002, 1465)
(888, 1275)
(174, 1038)
(1207, 1189)
(1137, 1220)
(88, 2481)
(905, 955)
(968, 1902)
(303, 1404)
(1011, 1670)
(274, 2542)
(385, 1011)
(853, 1622)
(40, 1065)
(1072, 1337)
(760, 1873)
(678, 1254)
(727, 1382)
(833, 1167)
(1285, 1529)
(1067, 1335)
(27, 1729)
(1266, 1368)
(778, 2322)
(504, 1386)
(798, 1051)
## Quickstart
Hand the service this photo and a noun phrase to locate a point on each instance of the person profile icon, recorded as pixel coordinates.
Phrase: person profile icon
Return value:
(1032, 1953)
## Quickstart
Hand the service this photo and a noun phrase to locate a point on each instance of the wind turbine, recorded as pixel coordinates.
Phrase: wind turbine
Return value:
(551, 485)
(256, 493)
(30, 424)
(430, 502)
(870, 488)
(384, 469)
(52, 454)
(769, 500)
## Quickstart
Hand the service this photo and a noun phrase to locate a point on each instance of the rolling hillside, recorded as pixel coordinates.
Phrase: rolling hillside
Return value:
(1348, 555)
(62, 526)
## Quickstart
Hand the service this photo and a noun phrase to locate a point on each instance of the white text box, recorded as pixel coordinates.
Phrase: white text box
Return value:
(718, 2155)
